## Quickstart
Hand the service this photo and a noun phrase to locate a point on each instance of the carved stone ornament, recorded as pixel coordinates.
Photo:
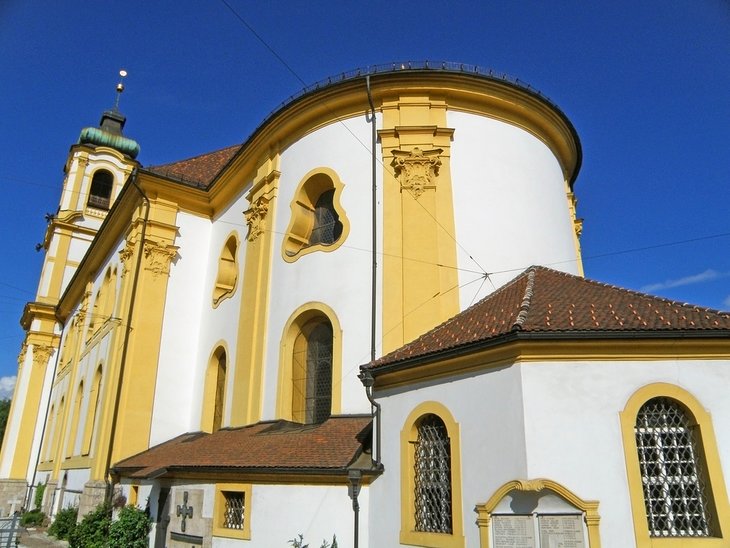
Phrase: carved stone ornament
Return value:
(158, 258)
(256, 218)
(125, 255)
(530, 485)
(21, 356)
(41, 354)
(416, 169)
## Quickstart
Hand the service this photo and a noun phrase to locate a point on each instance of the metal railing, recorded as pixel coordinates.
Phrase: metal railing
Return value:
(9, 532)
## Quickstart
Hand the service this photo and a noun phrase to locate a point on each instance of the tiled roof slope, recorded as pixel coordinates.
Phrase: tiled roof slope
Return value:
(542, 300)
(264, 447)
(198, 169)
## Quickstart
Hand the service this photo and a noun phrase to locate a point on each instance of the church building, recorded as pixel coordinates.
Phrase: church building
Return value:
(369, 321)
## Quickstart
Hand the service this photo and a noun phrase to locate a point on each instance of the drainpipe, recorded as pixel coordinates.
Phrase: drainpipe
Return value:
(45, 422)
(367, 379)
(374, 218)
(125, 346)
(355, 476)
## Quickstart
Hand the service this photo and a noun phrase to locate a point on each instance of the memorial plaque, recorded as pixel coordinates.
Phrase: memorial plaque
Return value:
(561, 531)
(513, 532)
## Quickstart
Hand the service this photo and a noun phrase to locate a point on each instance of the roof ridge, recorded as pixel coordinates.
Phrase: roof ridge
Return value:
(157, 166)
(594, 282)
(526, 300)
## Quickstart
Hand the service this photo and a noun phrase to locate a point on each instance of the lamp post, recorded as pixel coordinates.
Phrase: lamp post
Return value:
(355, 477)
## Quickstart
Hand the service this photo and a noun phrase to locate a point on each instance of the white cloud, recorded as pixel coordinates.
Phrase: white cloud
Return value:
(702, 277)
(7, 385)
(726, 302)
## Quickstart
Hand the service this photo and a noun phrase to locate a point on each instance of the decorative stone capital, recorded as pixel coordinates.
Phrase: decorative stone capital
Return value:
(158, 257)
(256, 218)
(41, 354)
(417, 169)
(530, 485)
(125, 256)
(23, 352)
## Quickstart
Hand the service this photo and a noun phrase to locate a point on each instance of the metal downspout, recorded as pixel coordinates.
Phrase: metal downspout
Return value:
(125, 345)
(368, 380)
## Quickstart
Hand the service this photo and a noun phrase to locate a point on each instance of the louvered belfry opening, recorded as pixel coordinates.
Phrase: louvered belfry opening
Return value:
(101, 189)
(432, 476)
(672, 471)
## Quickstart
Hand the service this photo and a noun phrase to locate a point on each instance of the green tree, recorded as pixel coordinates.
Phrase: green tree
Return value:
(4, 411)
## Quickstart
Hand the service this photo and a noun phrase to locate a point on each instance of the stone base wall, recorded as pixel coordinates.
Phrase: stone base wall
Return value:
(13, 494)
(93, 495)
(49, 498)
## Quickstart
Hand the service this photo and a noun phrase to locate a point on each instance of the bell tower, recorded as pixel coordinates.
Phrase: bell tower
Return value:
(97, 168)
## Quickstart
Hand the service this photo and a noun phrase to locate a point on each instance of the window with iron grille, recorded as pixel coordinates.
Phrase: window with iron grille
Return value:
(101, 189)
(233, 510)
(432, 475)
(327, 226)
(672, 471)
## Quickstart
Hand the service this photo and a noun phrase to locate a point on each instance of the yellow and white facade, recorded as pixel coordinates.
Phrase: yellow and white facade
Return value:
(184, 302)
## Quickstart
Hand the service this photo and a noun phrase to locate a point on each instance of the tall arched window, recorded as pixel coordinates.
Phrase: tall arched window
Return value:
(101, 189)
(75, 420)
(214, 398)
(58, 429)
(91, 412)
(432, 476)
(312, 372)
(672, 471)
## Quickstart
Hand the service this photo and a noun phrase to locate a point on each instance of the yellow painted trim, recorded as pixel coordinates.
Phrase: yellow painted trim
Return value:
(525, 351)
(227, 277)
(296, 238)
(207, 414)
(705, 437)
(251, 338)
(588, 507)
(409, 434)
(133, 494)
(219, 506)
(420, 288)
(301, 316)
(75, 463)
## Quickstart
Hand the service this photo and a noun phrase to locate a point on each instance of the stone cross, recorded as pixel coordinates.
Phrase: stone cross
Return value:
(184, 510)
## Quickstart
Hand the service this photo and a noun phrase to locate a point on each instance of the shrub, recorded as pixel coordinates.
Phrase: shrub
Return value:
(299, 542)
(93, 531)
(131, 529)
(64, 523)
(34, 518)
(38, 497)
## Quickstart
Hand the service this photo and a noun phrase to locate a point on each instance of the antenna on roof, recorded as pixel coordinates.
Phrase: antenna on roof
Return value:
(120, 88)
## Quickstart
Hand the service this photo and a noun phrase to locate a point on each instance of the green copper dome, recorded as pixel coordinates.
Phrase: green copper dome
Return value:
(109, 134)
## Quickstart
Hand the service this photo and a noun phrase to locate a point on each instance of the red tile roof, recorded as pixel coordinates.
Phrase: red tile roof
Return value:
(198, 169)
(542, 300)
(262, 447)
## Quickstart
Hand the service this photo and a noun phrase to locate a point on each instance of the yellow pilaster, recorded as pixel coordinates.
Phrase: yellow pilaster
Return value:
(420, 288)
(251, 338)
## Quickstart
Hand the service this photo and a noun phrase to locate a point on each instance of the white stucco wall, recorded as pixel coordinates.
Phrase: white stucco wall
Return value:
(177, 365)
(340, 279)
(511, 209)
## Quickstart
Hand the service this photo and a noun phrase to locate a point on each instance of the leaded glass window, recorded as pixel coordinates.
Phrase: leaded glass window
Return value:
(671, 471)
(327, 226)
(234, 509)
(432, 485)
(312, 373)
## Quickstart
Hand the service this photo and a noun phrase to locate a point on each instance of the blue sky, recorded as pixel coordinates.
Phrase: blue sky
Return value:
(646, 84)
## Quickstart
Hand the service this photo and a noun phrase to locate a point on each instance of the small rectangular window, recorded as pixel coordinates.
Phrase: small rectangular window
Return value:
(232, 512)
(234, 509)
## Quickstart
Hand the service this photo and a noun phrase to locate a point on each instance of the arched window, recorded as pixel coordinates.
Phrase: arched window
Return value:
(91, 412)
(69, 344)
(672, 471)
(214, 398)
(432, 476)
(58, 429)
(431, 479)
(48, 436)
(101, 189)
(109, 292)
(225, 282)
(312, 372)
(75, 420)
(318, 222)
